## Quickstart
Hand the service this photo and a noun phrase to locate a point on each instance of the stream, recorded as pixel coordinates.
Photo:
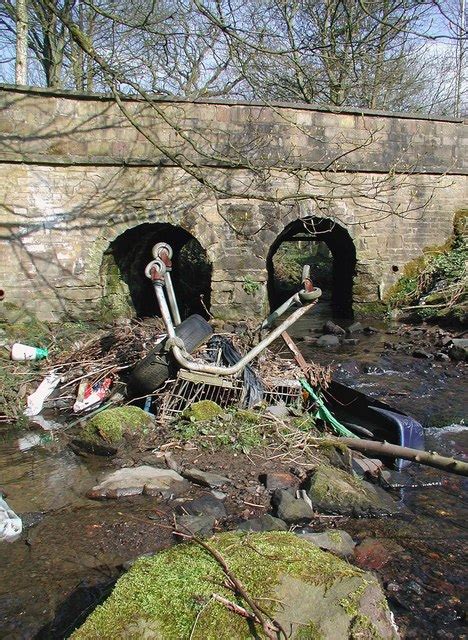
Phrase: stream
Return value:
(73, 549)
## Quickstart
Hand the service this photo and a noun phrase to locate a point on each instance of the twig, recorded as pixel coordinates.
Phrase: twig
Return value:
(235, 608)
(271, 627)
(198, 617)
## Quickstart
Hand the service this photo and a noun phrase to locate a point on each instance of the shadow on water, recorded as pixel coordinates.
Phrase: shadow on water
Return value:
(74, 610)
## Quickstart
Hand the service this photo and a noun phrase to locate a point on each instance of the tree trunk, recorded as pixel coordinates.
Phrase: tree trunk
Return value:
(21, 69)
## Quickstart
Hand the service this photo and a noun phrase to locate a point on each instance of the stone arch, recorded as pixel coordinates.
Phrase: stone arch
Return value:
(343, 254)
(127, 291)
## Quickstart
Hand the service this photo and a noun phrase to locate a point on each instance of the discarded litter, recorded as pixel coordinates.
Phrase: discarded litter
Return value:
(33, 440)
(217, 376)
(221, 349)
(11, 525)
(191, 386)
(91, 395)
(46, 424)
(325, 414)
(36, 400)
(25, 352)
(156, 354)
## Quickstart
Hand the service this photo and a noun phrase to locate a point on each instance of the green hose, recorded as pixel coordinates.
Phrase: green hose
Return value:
(325, 414)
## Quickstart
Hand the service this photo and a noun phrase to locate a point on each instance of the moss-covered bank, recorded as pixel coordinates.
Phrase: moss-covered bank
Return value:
(434, 286)
(169, 596)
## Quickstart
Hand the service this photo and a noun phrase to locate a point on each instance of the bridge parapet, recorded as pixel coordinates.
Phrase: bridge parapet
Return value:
(39, 126)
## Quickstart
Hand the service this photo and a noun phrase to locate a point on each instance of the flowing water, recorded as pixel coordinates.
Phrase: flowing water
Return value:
(73, 548)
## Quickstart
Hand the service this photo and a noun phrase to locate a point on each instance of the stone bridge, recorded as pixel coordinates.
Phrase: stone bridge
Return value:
(88, 184)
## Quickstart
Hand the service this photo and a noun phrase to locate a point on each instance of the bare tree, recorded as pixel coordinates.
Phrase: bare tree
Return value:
(330, 51)
(21, 68)
(396, 55)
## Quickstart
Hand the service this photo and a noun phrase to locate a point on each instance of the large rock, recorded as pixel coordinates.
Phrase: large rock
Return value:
(196, 525)
(333, 490)
(334, 540)
(331, 328)
(205, 478)
(112, 425)
(328, 341)
(356, 327)
(278, 480)
(458, 349)
(205, 505)
(311, 593)
(136, 480)
(289, 508)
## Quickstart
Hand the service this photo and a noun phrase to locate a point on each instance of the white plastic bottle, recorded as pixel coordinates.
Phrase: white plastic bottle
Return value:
(25, 352)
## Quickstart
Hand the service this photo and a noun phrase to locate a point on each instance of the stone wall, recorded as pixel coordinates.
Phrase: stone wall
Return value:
(74, 175)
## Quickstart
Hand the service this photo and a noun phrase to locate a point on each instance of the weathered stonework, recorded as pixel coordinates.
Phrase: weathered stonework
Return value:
(75, 175)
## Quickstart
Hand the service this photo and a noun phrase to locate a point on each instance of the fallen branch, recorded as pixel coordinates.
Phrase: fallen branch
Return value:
(429, 458)
(235, 608)
(272, 628)
(430, 306)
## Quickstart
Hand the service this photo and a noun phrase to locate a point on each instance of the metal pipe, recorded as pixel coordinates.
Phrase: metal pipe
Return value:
(157, 272)
(172, 299)
(163, 251)
(279, 312)
(165, 313)
(181, 355)
(300, 297)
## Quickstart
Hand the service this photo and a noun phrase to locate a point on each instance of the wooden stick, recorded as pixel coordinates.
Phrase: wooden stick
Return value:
(272, 628)
(429, 458)
(235, 608)
(301, 361)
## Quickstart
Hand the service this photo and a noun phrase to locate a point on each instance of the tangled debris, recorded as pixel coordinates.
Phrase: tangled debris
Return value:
(96, 370)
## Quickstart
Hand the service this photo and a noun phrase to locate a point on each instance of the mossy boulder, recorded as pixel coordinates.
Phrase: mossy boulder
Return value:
(311, 593)
(112, 425)
(202, 410)
(333, 490)
(337, 454)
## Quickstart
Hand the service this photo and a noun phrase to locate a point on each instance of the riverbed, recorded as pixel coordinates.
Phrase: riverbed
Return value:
(73, 549)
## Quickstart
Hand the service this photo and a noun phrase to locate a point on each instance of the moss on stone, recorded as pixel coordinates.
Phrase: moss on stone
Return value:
(377, 309)
(362, 627)
(335, 536)
(431, 278)
(202, 410)
(170, 593)
(460, 221)
(332, 486)
(309, 632)
(116, 302)
(112, 425)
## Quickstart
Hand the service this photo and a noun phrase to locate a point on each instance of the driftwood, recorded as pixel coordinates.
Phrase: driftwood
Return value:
(429, 458)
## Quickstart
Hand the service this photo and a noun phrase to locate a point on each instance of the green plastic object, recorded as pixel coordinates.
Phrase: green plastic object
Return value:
(325, 414)
(41, 353)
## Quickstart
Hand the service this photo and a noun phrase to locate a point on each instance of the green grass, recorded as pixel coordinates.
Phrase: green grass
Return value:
(238, 430)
